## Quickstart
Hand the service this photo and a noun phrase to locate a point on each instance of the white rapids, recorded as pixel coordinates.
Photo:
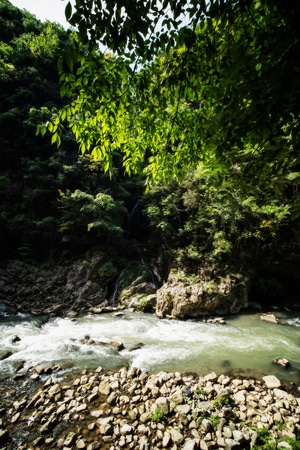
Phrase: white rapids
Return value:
(245, 344)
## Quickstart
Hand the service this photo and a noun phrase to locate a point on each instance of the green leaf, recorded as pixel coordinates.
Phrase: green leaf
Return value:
(68, 10)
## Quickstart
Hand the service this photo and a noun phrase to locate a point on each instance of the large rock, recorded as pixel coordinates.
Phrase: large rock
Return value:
(271, 318)
(136, 293)
(181, 296)
(52, 288)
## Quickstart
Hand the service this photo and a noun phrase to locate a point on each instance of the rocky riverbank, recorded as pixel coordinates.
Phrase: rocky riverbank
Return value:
(131, 409)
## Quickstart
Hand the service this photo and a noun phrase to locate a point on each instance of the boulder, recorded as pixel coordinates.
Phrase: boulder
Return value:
(140, 296)
(271, 318)
(182, 296)
(283, 362)
(271, 381)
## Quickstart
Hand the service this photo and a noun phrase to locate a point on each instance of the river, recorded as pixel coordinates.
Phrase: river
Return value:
(244, 345)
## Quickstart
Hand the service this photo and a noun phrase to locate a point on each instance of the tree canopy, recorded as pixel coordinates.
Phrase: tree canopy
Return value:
(216, 108)
(186, 82)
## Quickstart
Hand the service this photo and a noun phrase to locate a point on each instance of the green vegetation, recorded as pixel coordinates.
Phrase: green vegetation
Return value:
(214, 420)
(221, 401)
(265, 439)
(179, 145)
(157, 415)
(294, 443)
(200, 390)
(220, 90)
(267, 442)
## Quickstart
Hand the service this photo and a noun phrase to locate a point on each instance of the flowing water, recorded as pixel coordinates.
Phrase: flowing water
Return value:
(245, 344)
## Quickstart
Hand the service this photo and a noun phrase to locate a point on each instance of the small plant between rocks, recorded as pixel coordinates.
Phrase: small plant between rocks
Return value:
(157, 415)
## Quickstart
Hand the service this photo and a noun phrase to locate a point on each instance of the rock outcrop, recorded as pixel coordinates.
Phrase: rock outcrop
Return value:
(53, 289)
(182, 297)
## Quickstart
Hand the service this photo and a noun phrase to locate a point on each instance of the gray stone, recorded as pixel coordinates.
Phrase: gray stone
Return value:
(190, 445)
(180, 296)
(105, 425)
(237, 435)
(183, 409)
(127, 423)
(161, 403)
(166, 439)
(279, 393)
(54, 390)
(271, 318)
(239, 397)
(206, 425)
(70, 439)
(284, 445)
(104, 388)
(232, 444)
(211, 376)
(283, 362)
(176, 436)
(126, 429)
(227, 432)
(80, 444)
(271, 381)
(205, 406)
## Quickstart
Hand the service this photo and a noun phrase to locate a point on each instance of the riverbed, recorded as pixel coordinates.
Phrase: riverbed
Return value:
(244, 345)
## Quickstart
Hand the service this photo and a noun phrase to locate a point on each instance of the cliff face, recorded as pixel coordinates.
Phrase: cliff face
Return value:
(52, 289)
(95, 282)
(181, 296)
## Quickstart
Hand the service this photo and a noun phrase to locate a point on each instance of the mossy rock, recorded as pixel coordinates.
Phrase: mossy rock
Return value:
(107, 272)
(135, 273)
(143, 302)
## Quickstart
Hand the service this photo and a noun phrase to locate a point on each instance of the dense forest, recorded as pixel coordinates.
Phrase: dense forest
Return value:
(180, 152)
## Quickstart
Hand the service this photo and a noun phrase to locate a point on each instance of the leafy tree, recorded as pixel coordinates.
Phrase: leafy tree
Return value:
(223, 90)
(90, 219)
(220, 228)
(29, 92)
(198, 99)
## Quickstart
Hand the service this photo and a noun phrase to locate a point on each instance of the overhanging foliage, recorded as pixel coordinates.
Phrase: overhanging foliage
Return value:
(223, 90)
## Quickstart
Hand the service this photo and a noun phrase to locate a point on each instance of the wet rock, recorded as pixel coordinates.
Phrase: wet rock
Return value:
(271, 318)
(55, 309)
(4, 436)
(5, 354)
(137, 293)
(117, 345)
(118, 314)
(218, 320)
(283, 362)
(271, 381)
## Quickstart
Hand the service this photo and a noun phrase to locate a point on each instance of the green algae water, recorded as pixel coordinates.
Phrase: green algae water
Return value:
(245, 345)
